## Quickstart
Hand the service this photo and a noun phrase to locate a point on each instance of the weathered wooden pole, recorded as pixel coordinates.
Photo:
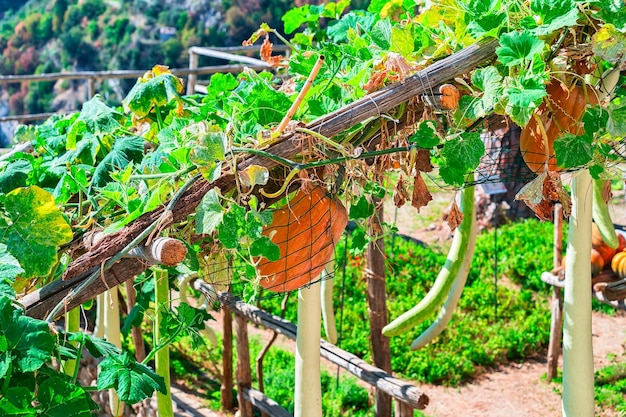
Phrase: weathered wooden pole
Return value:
(244, 377)
(377, 301)
(556, 323)
(226, 390)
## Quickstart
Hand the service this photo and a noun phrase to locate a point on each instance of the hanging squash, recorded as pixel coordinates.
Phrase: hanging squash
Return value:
(306, 231)
(559, 113)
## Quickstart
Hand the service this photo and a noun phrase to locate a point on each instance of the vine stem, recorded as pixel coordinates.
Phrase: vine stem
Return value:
(108, 264)
(258, 152)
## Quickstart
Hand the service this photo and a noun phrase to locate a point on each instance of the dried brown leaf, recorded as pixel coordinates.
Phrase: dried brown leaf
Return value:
(455, 217)
(421, 196)
(398, 64)
(422, 161)
(375, 82)
(400, 194)
(266, 53)
(542, 193)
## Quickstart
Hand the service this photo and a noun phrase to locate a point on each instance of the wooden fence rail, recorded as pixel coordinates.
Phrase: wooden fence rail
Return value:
(229, 54)
(404, 392)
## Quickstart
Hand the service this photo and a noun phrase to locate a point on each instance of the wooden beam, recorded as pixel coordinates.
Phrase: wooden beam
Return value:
(264, 403)
(120, 74)
(397, 388)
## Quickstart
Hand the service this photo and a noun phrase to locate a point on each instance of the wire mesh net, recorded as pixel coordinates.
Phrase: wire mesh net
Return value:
(305, 231)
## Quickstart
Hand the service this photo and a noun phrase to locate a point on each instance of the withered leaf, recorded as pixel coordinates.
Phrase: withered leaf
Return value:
(375, 82)
(455, 217)
(542, 193)
(422, 161)
(266, 53)
(421, 196)
(400, 194)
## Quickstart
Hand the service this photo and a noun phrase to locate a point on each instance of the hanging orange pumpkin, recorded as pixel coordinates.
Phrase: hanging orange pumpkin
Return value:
(560, 113)
(306, 231)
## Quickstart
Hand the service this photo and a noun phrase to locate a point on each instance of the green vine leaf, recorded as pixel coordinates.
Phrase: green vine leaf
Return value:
(32, 227)
(553, 15)
(133, 381)
(96, 118)
(125, 150)
(156, 89)
(209, 213)
(264, 246)
(489, 81)
(425, 136)
(9, 269)
(461, 154)
(517, 48)
(17, 401)
(58, 398)
(573, 151)
(613, 12)
(28, 340)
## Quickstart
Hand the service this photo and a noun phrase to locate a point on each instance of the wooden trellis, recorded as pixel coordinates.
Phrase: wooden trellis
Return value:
(39, 303)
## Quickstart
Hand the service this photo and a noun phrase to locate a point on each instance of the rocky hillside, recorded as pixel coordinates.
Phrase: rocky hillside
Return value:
(55, 35)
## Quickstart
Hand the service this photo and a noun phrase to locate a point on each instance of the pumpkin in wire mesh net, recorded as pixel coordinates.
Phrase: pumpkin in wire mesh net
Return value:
(559, 114)
(306, 231)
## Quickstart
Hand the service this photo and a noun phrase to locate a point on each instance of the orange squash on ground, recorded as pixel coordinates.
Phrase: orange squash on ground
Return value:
(618, 264)
(559, 113)
(306, 231)
(622, 242)
(597, 263)
(598, 244)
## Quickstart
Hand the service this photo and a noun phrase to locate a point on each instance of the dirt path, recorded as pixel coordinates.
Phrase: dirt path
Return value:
(518, 390)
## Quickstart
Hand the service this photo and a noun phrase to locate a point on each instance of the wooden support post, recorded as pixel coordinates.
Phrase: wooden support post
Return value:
(191, 79)
(244, 378)
(556, 324)
(403, 409)
(137, 335)
(226, 390)
(92, 88)
(377, 301)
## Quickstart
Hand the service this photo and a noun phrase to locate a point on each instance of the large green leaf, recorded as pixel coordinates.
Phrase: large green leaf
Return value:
(96, 118)
(518, 47)
(461, 154)
(9, 269)
(17, 402)
(613, 12)
(154, 91)
(133, 381)
(59, 398)
(209, 213)
(554, 15)
(125, 150)
(29, 340)
(15, 175)
(32, 227)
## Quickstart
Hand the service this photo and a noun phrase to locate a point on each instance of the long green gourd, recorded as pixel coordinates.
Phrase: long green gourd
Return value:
(458, 256)
(467, 207)
(602, 217)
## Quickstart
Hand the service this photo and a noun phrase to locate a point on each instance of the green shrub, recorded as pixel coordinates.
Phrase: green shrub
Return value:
(480, 334)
